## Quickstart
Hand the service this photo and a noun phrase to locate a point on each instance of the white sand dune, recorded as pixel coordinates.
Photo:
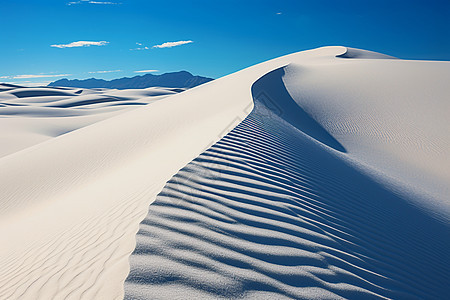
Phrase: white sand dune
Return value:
(29, 116)
(333, 184)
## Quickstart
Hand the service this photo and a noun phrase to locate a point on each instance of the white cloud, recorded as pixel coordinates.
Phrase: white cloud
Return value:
(75, 2)
(141, 48)
(146, 71)
(92, 2)
(4, 76)
(172, 44)
(105, 3)
(279, 13)
(163, 45)
(112, 71)
(80, 44)
(38, 76)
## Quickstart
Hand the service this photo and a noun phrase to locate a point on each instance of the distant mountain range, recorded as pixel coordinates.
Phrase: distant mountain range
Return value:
(181, 79)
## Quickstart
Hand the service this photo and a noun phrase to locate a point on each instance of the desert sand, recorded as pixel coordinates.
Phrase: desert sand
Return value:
(320, 174)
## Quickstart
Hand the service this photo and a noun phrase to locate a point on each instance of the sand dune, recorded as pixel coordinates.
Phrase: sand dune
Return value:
(321, 174)
(29, 116)
(268, 212)
(292, 204)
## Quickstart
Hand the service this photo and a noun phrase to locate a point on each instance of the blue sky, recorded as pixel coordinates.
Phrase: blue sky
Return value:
(215, 38)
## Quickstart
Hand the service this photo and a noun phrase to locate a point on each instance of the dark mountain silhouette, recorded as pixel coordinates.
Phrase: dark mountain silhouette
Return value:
(181, 79)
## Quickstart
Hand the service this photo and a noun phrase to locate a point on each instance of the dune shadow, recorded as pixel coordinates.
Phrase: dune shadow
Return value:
(109, 99)
(271, 91)
(39, 93)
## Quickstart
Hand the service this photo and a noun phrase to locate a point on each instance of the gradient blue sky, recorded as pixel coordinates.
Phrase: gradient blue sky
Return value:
(227, 35)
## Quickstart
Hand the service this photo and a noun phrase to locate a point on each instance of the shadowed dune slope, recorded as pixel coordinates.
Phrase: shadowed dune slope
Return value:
(273, 211)
(270, 90)
(268, 212)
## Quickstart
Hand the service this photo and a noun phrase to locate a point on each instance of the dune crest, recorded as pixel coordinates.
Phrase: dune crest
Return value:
(363, 54)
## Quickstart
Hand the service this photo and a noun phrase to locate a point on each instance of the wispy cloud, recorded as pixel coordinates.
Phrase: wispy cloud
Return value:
(105, 3)
(4, 77)
(172, 44)
(163, 45)
(279, 13)
(101, 72)
(140, 48)
(38, 76)
(93, 2)
(80, 44)
(146, 71)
